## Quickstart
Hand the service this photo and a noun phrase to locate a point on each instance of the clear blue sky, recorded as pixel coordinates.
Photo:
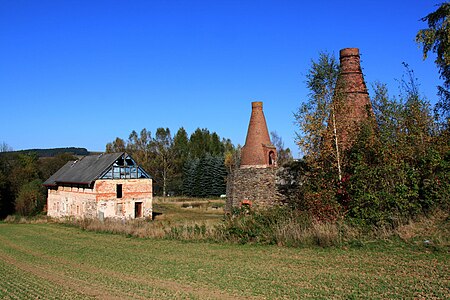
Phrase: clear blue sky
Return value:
(80, 73)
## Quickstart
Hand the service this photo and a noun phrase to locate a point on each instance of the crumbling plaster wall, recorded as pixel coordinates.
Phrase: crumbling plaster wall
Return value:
(133, 190)
(65, 201)
(101, 200)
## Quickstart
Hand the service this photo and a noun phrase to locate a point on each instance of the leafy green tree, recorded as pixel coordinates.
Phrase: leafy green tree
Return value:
(315, 117)
(317, 139)
(25, 168)
(6, 195)
(199, 143)
(176, 163)
(31, 198)
(216, 147)
(396, 171)
(232, 158)
(163, 157)
(118, 145)
(139, 146)
(436, 39)
(181, 155)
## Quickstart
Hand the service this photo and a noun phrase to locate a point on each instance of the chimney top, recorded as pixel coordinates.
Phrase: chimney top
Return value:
(257, 104)
(349, 52)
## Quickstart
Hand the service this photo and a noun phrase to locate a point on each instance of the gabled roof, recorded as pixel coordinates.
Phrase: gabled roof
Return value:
(83, 171)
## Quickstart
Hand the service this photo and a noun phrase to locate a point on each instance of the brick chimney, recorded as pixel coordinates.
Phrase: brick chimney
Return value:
(258, 150)
(351, 98)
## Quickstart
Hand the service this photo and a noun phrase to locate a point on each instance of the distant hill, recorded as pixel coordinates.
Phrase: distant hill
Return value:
(53, 152)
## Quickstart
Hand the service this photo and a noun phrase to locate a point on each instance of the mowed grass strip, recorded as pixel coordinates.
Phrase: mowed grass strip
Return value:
(116, 266)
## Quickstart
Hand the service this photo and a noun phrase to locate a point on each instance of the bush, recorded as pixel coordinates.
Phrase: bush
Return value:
(282, 226)
(31, 198)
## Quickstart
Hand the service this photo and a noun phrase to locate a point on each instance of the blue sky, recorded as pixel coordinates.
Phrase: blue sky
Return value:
(80, 73)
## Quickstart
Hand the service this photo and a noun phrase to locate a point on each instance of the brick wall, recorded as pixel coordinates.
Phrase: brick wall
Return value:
(257, 144)
(351, 97)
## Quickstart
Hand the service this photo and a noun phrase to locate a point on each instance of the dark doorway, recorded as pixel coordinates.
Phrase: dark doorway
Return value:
(138, 210)
(271, 158)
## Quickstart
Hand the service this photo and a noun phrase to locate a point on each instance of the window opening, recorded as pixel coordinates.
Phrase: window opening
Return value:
(119, 190)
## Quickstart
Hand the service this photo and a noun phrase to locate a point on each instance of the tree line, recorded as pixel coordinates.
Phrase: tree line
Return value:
(195, 165)
(21, 177)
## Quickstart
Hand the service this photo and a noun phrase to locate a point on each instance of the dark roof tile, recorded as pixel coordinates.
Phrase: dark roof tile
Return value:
(83, 171)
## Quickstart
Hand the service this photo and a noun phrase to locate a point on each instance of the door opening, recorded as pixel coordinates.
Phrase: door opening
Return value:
(138, 209)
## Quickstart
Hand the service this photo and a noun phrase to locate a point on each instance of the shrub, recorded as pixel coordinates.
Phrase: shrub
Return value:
(31, 198)
(282, 226)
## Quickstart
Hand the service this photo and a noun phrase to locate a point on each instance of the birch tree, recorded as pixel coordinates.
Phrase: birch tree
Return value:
(316, 117)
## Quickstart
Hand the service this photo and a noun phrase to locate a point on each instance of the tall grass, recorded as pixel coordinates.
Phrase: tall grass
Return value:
(276, 226)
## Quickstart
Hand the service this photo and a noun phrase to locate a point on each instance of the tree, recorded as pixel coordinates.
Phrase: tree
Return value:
(180, 155)
(436, 39)
(31, 198)
(396, 171)
(200, 143)
(139, 146)
(118, 145)
(4, 147)
(232, 158)
(284, 155)
(6, 195)
(189, 182)
(315, 117)
(163, 158)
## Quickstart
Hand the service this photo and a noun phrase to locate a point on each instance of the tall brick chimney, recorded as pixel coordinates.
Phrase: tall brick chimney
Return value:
(258, 150)
(351, 98)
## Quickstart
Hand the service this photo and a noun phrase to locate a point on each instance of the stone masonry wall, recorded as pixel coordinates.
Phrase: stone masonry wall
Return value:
(257, 185)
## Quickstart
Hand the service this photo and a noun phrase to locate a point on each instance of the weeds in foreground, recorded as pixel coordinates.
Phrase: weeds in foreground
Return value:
(277, 226)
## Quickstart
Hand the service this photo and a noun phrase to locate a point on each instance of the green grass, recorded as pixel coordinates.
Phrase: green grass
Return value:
(182, 210)
(52, 261)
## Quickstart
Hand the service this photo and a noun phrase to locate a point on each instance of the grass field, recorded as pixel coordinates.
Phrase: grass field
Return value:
(52, 261)
(187, 210)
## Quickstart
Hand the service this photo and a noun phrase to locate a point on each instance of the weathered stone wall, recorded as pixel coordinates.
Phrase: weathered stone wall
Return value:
(101, 200)
(257, 185)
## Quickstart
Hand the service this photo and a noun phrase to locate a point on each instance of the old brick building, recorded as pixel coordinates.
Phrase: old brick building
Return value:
(254, 183)
(100, 186)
